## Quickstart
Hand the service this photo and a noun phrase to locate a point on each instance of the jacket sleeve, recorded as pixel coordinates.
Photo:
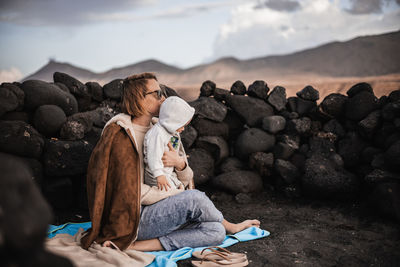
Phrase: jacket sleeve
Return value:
(154, 144)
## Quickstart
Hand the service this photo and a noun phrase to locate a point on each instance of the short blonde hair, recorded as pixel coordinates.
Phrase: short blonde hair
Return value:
(134, 91)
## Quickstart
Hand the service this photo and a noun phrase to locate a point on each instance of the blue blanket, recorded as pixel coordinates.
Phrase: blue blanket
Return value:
(167, 258)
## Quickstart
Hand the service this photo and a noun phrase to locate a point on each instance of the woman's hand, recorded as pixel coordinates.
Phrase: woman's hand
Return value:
(171, 158)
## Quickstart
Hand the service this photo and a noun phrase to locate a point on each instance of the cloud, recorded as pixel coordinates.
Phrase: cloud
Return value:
(254, 33)
(365, 6)
(11, 75)
(67, 13)
(279, 5)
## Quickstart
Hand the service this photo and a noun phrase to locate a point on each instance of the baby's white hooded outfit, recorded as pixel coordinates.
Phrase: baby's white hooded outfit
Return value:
(174, 113)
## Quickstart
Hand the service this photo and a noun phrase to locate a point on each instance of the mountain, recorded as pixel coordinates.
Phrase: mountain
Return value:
(360, 57)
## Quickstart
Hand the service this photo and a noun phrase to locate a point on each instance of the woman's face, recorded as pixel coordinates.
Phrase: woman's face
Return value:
(151, 102)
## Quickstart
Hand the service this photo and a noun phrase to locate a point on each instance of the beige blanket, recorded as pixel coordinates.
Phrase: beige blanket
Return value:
(70, 247)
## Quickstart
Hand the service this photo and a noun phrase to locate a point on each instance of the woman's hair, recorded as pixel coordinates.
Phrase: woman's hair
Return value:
(134, 91)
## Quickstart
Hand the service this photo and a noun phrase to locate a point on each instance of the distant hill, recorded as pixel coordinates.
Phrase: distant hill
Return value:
(360, 57)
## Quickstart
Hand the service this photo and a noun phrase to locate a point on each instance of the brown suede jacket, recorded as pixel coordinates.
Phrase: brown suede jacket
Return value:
(115, 187)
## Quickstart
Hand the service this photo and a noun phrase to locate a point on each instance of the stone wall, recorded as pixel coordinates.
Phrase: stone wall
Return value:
(240, 140)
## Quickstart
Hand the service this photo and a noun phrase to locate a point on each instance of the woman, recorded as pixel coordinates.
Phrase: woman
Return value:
(129, 214)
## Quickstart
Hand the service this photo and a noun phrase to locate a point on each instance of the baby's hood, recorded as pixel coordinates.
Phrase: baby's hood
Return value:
(175, 113)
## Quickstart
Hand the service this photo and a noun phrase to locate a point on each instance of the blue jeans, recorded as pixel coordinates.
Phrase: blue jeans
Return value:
(188, 219)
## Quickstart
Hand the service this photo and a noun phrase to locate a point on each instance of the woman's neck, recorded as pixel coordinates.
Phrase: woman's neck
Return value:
(143, 120)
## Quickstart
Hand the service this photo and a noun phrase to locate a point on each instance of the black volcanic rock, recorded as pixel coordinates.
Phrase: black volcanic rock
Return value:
(231, 164)
(258, 89)
(18, 92)
(251, 109)
(188, 136)
(394, 96)
(72, 130)
(20, 138)
(207, 88)
(48, 119)
(202, 164)
(113, 89)
(206, 127)
(75, 87)
(66, 158)
(277, 98)
(391, 111)
(8, 100)
(392, 156)
(303, 107)
(301, 125)
(286, 170)
(221, 94)
(209, 108)
(324, 179)
(350, 148)
(273, 124)
(334, 105)
(95, 90)
(215, 145)
(239, 182)
(358, 88)
(16, 116)
(261, 162)
(253, 140)
(333, 126)
(38, 93)
(360, 105)
(238, 88)
(308, 93)
(369, 125)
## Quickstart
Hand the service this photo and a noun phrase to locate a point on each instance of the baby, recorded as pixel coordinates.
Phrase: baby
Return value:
(175, 114)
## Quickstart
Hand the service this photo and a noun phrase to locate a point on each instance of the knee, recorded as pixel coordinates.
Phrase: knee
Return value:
(217, 234)
(196, 196)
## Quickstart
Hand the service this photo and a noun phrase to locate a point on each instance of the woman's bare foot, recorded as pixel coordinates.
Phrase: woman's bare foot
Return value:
(233, 228)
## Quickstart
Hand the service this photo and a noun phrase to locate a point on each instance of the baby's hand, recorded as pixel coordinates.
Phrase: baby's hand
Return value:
(162, 183)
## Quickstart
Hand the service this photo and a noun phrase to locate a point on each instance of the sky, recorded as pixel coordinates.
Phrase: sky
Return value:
(100, 34)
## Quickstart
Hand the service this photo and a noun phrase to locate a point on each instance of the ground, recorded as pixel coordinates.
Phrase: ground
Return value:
(305, 232)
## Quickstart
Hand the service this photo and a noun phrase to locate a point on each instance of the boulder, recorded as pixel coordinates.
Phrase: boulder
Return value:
(253, 140)
(322, 178)
(334, 126)
(262, 163)
(322, 144)
(392, 156)
(38, 93)
(48, 120)
(369, 153)
(239, 182)
(95, 90)
(215, 145)
(235, 123)
(114, 89)
(381, 176)
(9, 100)
(221, 94)
(304, 107)
(16, 116)
(334, 105)
(207, 88)
(358, 88)
(273, 124)
(308, 93)
(350, 148)
(286, 170)
(291, 104)
(202, 164)
(258, 89)
(301, 126)
(66, 158)
(368, 126)
(238, 88)
(168, 91)
(207, 127)
(18, 93)
(252, 110)
(59, 192)
(394, 95)
(72, 130)
(243, 198)
(209, 108)
(188, 136)
(391, 111)
(360, 105)
(20, 138)
(231, 164)
(75, 87)
(283, 150)
(277, 98)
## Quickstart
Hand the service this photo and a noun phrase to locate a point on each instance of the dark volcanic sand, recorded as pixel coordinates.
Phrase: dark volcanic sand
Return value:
(305, 232)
